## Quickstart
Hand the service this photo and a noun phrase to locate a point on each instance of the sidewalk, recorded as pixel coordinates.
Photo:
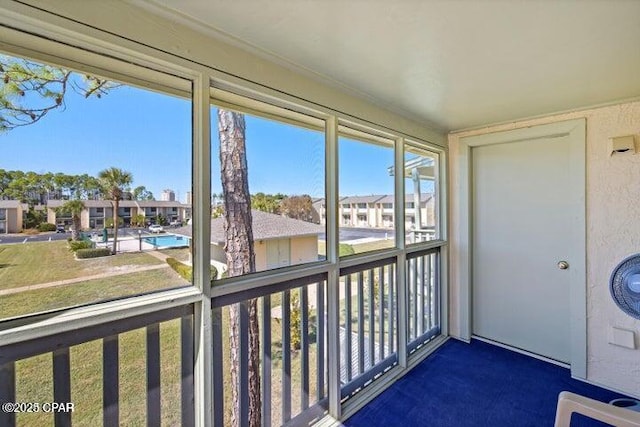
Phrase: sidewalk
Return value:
(82, 279)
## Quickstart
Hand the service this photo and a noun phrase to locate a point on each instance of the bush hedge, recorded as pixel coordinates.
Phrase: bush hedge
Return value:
(92, 253)
(76, 245)
(46, 226)
(345, 249)
(186, 271)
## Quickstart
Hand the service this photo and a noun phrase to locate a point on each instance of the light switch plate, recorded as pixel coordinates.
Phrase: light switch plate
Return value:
(622, 337)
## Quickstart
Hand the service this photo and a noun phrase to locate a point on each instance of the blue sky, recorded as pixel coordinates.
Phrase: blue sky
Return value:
(149, 134)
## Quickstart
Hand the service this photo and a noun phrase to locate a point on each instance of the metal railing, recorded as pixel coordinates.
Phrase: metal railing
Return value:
(423, 297)
(293, 352)
(56, 362)
(368, 323)
(293, 335)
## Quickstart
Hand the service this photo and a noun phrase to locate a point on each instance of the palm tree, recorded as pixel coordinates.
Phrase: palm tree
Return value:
(113, 182)
(75, 208)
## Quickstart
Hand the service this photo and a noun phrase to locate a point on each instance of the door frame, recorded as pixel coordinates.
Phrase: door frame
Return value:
(575, 130)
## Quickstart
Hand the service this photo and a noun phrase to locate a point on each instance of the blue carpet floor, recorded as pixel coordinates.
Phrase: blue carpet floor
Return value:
(476, 384)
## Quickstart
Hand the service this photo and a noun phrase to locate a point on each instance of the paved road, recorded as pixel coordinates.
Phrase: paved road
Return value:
(42, 237)
(53, 236)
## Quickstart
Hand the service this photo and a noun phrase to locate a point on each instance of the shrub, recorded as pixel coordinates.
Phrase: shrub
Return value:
(345, 249)
(46, 226)
(92, 253)
(295, 314)
(108, 223)
(186, 271)
(76, 245)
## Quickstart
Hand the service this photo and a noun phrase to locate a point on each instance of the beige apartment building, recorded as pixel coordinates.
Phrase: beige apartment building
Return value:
(96, 212)
(377, 211)
(11, 216)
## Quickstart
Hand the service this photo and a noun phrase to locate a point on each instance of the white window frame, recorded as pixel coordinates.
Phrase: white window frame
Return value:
(87, 51)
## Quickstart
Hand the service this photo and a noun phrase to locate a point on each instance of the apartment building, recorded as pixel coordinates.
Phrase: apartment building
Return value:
(11, 215)
(377, 211)
(96, 212)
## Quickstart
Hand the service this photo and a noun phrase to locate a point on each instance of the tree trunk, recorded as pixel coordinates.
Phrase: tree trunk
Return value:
(77, 224)
(240, 255)
(116, 206)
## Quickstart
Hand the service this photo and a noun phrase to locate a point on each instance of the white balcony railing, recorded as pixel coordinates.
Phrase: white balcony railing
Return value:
(295, 341)
(111, 374)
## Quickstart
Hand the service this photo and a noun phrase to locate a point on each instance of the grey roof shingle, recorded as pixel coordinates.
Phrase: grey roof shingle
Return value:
(265, 226)
(159, 203)
(361, 199)
(123, 203)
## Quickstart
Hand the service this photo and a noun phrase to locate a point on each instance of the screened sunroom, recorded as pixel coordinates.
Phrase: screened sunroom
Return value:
(325, 213)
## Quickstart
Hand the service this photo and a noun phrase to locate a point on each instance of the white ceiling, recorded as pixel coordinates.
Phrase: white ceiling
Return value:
(455, 64)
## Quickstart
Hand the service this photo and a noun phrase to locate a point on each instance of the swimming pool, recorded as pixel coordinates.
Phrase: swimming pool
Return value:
(168, 241)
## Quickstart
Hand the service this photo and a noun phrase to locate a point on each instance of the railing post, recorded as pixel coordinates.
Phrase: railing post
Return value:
(110, 383)
(304, 342)
(403, 337)
(217, 375)
(265, 337)
(321, 339)
(153, 375)
(62, 384)
(186, 370)
(7, 392)
(286, 356)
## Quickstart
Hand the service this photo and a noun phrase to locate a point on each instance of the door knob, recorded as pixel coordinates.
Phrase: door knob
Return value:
(563, 265)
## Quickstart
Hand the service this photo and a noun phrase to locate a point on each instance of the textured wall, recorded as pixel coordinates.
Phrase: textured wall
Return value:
(613, 232)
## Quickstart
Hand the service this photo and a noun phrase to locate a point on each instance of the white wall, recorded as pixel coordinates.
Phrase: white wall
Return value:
(613, 232)
(304, 249)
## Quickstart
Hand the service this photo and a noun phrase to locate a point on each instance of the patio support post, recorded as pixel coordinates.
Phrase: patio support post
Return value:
(401, 277)
(333, 275)
(203, 329)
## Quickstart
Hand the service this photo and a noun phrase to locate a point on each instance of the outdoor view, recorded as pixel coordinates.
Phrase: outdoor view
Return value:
(81, 154)
(96, 205)
(366, 203)
(421, 198)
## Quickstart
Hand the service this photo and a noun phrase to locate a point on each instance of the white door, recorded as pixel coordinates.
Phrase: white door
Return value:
(278, 253)
(525, 205)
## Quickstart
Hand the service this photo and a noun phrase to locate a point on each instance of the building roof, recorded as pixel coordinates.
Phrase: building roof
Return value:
(265, 226)
(424, 197)
(158, 203)
(361, 199)
(123, 203)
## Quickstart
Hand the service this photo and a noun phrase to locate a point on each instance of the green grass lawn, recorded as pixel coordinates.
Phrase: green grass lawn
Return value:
(373, 246)
(181, 254)
(87, 292)
(357, 249)
(34, 382)
(42, 262)
(35, 263)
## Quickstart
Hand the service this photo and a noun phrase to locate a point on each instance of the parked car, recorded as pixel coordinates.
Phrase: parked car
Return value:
(175, 223)
(156, 228)
(60, 229)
